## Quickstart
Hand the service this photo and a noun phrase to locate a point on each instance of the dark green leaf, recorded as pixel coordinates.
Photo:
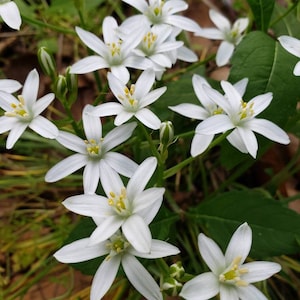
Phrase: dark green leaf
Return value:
(275, 227)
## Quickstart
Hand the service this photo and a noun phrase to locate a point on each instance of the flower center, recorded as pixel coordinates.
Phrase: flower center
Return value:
(233, 274)
(115, 52)
(246, 110)
(148, 43)
(19, 110)
(154, 12)
(119, 202)
(116, 245)
(93, 147)
(128, 99)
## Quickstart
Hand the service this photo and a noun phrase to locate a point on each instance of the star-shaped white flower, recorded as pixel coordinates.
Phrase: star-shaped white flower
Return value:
(118, 252)
(24, 111)
(206, 109)
(92, 152)
(291, 45)
(132, 208)
(9, 85)
(158, 12)
(114, 53)
(241, 117)
(133, 100)
(10, 14)
(231, 35)
(229, 275)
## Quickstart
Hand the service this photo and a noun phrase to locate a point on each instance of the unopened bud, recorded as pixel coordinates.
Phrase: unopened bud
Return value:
(61, 88)
(47, 62)
(72, 85)
(177, 270)
(166, 133)
(171, 286)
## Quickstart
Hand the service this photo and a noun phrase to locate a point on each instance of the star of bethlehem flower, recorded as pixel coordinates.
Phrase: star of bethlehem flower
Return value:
(118, 252)
(241, 117)
(206, 109)
(24, 111)
(131, 208)
(10, 14)
(231, 35)
(115, 53)
(92, 152)
(292, 45)
(230, 275)
(158, 12)
(133, 100)
(9, 85)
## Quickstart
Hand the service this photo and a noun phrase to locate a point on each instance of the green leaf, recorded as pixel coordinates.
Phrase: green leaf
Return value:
(262, 12)
(275, 227)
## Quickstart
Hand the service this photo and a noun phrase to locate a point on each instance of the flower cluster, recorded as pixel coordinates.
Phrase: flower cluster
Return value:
(118, 192)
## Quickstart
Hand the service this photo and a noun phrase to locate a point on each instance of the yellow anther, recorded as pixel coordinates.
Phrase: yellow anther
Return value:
(19, 110)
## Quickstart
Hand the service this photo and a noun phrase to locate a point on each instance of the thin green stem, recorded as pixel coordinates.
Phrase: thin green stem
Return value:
(284, 14)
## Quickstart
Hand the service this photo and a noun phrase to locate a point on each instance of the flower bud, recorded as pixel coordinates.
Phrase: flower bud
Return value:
(166, 133)
(47, 62)
(72, 85)
(171, 286)
(176, 270)
(61, 88)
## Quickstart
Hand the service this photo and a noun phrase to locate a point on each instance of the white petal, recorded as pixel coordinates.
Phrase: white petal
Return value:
(202, 287)
(214, 124)
(92, 125)
(107, 109)
(104, 277)
(240, 25)
(109, 29)
(228, 292)
(106, 229)
(260, 102)
(152, 96)
(183, 23)
(148, 118)
(234, 98)
(140, 5)
(79, 251)
(174, 6)
(15, 133)
(198, 82)
(241, 86)
(11, 15)
(190, 110)
(88, 205)
(249, 140)
(91, 177)
(9, 85)
(140, 278)
(236, 141)
(290, 44)
(116, 85)
(250, 292)
(92, 41)
(123, 117)
(44, 127)
(43, 103)
(72, 142)
(296, 71)
(210, 33)
(162, 60)
(240, 244)
(66, 167)
(6, 100)
(144, 83)
(118, 135)
(224, 53)
(158, 249)
(137, 233)
(89, 64)
(186, 54)
(219, 20)
(7, 123)
(31, 88)
(110, 180)
(121, 163)
(121, 72)
(211, 253)
(141, 177)
(136, 62)
(200, 143)
(259, 270)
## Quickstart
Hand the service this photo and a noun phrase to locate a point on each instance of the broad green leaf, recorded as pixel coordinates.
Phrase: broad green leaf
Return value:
(262, 12)
(275, 227)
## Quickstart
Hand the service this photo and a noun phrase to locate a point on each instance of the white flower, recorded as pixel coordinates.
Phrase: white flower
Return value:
(231, 35)
(241, 117)
(9, 85)
(206, 109)
(10, 14)
(229, 275)
(291, 45)
(92, 152)
(158, 12)
(118, 252)
(133, 100)
(131, 208)
(25, 111)
(114, 53)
